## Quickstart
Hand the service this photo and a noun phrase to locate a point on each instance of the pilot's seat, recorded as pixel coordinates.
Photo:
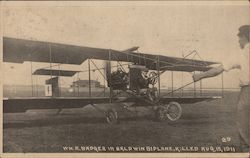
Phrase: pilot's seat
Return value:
(138, 77)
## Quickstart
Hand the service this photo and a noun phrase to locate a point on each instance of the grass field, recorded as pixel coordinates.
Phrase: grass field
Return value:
(202, 124)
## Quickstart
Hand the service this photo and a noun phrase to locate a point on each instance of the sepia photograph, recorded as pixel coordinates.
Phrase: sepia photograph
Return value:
(125, 77)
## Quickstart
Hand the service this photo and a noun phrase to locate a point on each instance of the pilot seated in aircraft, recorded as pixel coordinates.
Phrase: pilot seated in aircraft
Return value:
(138, 77)
(143, 79)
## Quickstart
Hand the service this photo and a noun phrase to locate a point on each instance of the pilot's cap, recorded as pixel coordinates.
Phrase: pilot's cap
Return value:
(244, 31)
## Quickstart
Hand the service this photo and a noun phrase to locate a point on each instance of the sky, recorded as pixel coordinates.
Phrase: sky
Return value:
(166, 28)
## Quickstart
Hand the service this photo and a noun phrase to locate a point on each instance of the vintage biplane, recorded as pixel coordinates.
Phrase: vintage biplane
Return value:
(139, 85)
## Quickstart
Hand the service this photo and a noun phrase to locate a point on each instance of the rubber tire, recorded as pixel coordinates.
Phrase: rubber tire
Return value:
(160, 114)
(178, 115)
(112, 117)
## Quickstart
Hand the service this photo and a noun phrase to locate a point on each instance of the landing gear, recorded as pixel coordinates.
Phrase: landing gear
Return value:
(172, 112)
(112, 116)
(161, 114)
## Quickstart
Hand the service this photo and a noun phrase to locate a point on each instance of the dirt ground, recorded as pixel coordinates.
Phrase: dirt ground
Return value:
(202, 125)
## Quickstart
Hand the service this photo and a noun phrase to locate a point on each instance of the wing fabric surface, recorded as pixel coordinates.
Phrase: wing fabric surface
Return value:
(20, 50)
(53, 72)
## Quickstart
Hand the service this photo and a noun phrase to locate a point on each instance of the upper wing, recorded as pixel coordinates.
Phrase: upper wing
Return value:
(20, 50)
(53, 72)
(170, 63)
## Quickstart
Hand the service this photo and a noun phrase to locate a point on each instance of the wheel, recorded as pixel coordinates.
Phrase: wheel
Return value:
(161, 113)
(111, 116)
(174, 111)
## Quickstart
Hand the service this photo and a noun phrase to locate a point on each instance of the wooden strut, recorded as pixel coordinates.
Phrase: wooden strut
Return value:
(222, 85)
(172, 81)
(59, 79)
(182, 83)
(105, 112)
(104, 85)
(143, 99)
(103, 74)
(179, 88)
(37, 86)
(104, 68)
(110, 83)
(89, 78)
(194, 88)
(31, 79)
(78, 79)
(98, 69)
(200, 87)
(158, 75)
(138, 56)
(50, 65)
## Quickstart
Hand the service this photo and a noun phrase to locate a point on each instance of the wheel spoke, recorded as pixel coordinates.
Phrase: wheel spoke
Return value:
(174, 111)
(112, 117)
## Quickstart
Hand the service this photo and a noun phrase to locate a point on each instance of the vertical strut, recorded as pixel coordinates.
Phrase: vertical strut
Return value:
(182, 84)
(78, 84)
(158, 76)
(110, 83)
(59, 78)
(31, 79)
(172, 81)
(74, 85)
(50, 61)
(89, 78)
(200, 87)
(194, 88)
(50, 65)
(37, 86)
(222, 84)
(104, 85)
